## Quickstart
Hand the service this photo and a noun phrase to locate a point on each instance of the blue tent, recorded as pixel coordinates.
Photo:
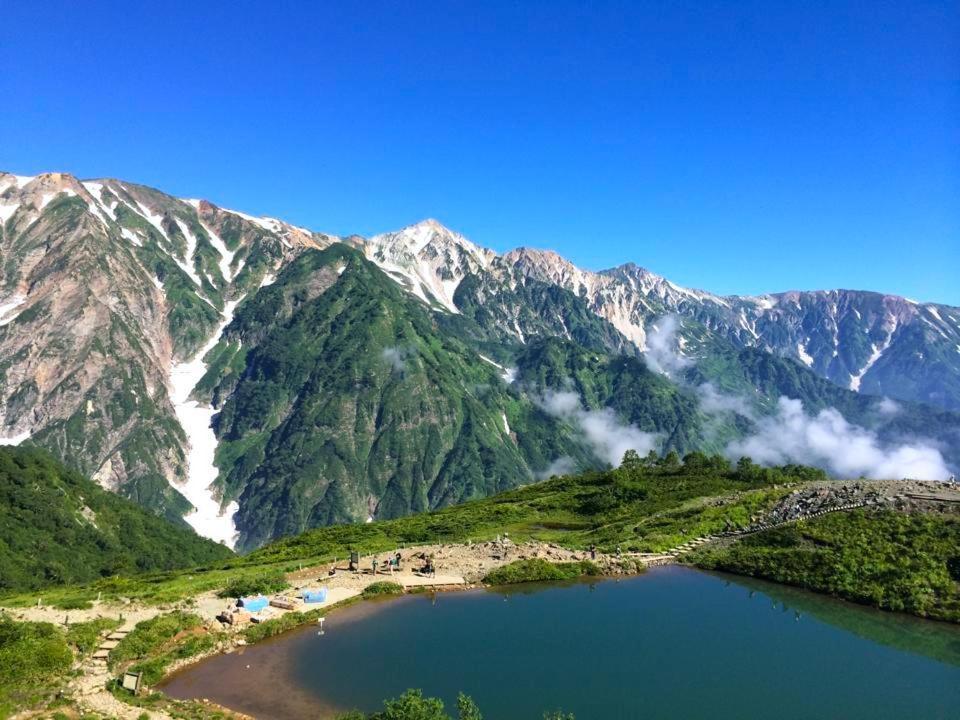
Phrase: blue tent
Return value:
(315, 596)
(255, 603)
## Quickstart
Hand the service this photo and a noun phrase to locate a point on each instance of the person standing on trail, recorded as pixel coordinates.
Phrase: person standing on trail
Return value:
(593, 552)
(374, 566)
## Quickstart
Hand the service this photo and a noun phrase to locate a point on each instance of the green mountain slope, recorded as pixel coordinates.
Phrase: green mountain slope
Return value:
(342, 400)
(58, 527)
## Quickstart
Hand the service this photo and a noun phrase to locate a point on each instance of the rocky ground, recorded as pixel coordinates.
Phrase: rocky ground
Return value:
(902, 495)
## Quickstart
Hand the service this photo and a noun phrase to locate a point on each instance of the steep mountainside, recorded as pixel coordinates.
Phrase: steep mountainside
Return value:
(254, 379)
(58, 527)
(105, 287)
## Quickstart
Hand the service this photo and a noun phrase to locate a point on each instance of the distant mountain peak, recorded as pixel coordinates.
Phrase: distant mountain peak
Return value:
(429, 259)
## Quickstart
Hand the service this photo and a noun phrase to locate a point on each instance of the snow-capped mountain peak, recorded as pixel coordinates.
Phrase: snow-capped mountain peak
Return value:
(429, 259)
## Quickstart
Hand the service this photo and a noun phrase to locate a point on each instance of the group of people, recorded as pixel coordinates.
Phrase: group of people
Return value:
(388, 565)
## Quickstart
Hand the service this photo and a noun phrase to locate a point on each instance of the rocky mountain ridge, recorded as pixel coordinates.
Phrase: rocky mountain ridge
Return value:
(192, 358)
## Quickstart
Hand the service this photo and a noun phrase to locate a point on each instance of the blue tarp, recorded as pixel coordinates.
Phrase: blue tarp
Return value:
(315, 596)
(254, 603)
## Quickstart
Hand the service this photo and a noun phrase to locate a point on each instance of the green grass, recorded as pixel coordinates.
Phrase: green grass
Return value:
(641, 507)
(538, 570)
(57, 527)
(894, 561)
(34, 660)
(85, 637)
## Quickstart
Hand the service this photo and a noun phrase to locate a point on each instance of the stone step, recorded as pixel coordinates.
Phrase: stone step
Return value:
(109, 644)
(118, 635)
(101, 654)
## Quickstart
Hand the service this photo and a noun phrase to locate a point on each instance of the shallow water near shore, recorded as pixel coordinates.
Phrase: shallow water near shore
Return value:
(674, 643)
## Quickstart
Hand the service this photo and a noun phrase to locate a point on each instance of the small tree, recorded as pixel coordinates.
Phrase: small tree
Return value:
(670, 461)
(412, 705)
(467, 709)
(631, 460)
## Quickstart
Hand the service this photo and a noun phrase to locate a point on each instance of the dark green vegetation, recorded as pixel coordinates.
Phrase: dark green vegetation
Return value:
(254, 584)
(895, 561)
(412, 705)
(36, 658)
(57, 527)
(537, 570)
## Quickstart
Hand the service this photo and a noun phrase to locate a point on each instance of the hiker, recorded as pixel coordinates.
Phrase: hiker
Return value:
(593, 552)
(396, 562)
(374, 566)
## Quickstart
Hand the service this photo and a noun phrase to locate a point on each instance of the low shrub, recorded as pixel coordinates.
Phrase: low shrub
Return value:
(381, 588)
(261, 583)
(537, 570)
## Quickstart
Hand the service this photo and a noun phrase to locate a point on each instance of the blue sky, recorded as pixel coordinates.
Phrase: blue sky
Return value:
(740, 147)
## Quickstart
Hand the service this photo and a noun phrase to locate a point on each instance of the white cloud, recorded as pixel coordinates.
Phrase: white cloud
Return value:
(561, 466)
(662, 355)
(888, 407)
(608, 437)
(394, 356)
(713, 402)
(827, 440)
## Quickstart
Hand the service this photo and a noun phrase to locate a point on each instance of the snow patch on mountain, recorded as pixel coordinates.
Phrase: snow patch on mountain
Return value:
(9, 309)
(15, 439)
(7, 211)
(208, 517)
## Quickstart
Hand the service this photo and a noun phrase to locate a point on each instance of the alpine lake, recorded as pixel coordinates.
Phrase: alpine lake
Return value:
(672, 643)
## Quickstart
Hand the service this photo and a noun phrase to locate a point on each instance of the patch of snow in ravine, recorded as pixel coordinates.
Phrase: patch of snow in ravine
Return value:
(877, 351)
(804, 355)
(508, 374)
(16, 439)
(207, 518)
(506, 425)
(131, 236)
(7, 308)
(7, 211)
(226, 256)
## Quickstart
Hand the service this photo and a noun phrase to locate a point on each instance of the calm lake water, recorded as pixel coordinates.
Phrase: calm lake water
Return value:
(674, 643)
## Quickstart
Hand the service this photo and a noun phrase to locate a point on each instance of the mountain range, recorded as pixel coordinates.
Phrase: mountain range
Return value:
(254, 379)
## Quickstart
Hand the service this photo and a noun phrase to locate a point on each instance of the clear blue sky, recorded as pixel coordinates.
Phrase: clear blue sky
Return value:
(734, 146)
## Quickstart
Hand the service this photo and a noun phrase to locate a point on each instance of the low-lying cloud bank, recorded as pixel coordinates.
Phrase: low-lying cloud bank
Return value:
(789, 435)
(827, 440)
(607, 436)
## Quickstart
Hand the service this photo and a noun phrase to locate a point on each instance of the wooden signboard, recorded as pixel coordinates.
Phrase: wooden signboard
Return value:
(131, 681)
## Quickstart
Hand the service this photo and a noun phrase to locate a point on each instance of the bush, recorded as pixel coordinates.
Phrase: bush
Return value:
(33, 656)
(262, 583)
(537, 570)
(378, 589)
